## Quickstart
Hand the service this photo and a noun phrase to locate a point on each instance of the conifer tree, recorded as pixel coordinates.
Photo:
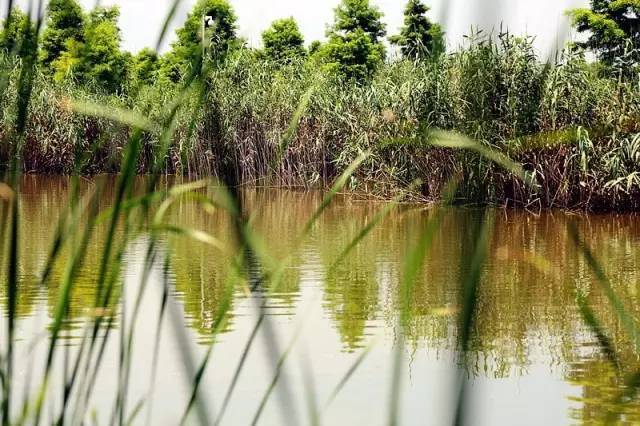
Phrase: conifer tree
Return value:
(354, 48)
(613, 25)
(419, 38)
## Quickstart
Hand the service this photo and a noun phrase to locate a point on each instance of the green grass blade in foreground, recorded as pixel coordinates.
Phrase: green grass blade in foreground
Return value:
(415, 260)
(598, 330)
(632, 381)
(310, 390)
(137, 409)
(165, 24)
(628, 323)
(275, 274)
(174, 193)
(124, 187)
(12, 294)
(411, 268)
(158, 335)
(193, 234)
(479, 236)
(251, 266)
(347, 376)
(240, 267)
(218, 324)
(335, 189)
(110, 265)
(396, 382)
(293, 127)
(67, 283)
(119, 115)
(276, 377)
(61, 233)
(238, 370)
(149, 261)
(384, 212)
(23, 99)
(458, 141)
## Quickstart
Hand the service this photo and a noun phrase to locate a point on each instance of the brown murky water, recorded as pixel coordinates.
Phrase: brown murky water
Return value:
(532, 358)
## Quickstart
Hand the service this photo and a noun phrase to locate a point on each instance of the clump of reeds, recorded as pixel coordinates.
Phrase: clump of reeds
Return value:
(564, 120)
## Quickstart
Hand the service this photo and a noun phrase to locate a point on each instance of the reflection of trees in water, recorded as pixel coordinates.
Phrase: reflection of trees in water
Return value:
(203, 272)
(601, 387)
(526, 304)
(43, 201)
(357, 289)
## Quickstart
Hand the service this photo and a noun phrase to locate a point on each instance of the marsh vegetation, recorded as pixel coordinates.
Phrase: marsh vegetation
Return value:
(127, 299)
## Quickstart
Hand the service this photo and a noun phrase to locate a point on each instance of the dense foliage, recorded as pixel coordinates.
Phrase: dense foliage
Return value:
(97, 59)
(612, 25)
(213, 107)
(283, 41)
(419, 38)
(65, 22)
(572, 125)
(146, 65)
(18, 34)
(217, 19)
(354, 48)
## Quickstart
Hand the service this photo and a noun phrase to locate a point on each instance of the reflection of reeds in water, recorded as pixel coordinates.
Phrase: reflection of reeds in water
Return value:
(81, 278)
(525, 297)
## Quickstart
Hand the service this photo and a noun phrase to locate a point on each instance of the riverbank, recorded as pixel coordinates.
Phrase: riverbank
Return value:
(571, 126)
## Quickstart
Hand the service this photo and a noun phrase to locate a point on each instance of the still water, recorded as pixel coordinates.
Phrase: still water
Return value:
(532, 359)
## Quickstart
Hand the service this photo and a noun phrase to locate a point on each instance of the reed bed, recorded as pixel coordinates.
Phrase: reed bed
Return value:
(567, 121)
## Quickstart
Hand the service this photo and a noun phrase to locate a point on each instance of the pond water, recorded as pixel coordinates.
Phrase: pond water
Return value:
(532, 360)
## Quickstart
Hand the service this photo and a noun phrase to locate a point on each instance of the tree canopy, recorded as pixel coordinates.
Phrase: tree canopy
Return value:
(219, 37)
(145, 66)
(283, 41)
(354, 15)
(419, 38)
(354, 48)
(17, 33)
(611, 24)
(65, 21)
(315, 47)
(97, 59)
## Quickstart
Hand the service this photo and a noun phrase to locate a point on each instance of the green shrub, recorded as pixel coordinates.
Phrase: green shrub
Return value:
(283, 41)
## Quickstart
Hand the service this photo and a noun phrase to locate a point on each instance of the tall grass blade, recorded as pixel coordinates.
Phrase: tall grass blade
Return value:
(335, 189)
(478, 239)
(383, 213)
(628, 323)
(310, 391)
(459, 141)
(274, 381)
(239, 368)
(158, 335)
(347, 376)
(598, 330)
